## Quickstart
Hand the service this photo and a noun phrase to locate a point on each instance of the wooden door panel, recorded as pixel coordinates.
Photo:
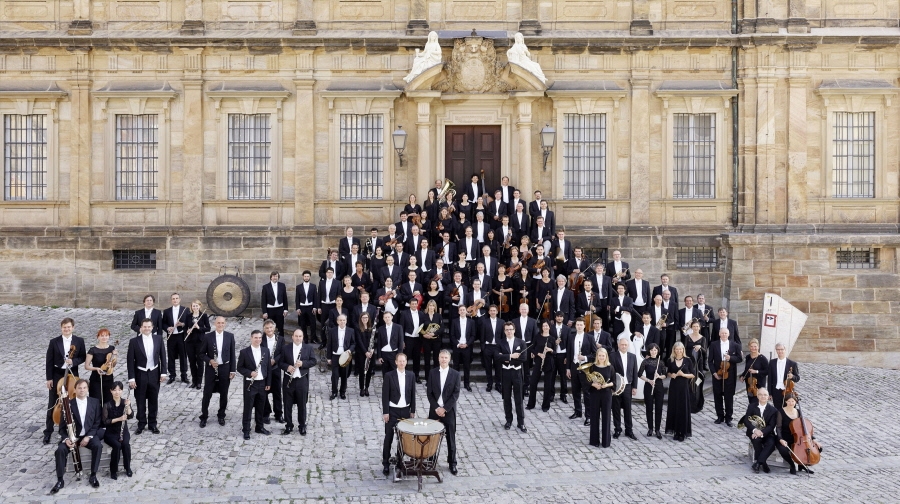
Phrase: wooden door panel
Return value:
(470, 149)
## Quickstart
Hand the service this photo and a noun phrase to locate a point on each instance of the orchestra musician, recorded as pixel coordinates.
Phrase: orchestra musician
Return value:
(638, 290)
(600, 403)
(175, 323)
(559, 339)
(199, 325)
(398, 402)
(541, 354)
(443, 393)
(146, 371)
(652, 373)
(781, 370)
(756, 370)
(763, 438)
(724, 351)
(341, 339)
(512, 353)
(306, 299)
(147, 312)
(581, 345)
(116, 413)
(296, 361)
(96, 357)
(617, 269)
(253, 365)
(788, 414)
(274, 344)
(217, 350)
(665, 287)
(88, 432)
(625, 364)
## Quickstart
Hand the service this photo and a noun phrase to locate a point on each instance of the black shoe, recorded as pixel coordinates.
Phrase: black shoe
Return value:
(728, 423)
(267, 420)
(616, 434)
(287, 430)
(755, 467)
(184, 379)
(418, 381)
(765, 468)
(222, 422)
(718, 421)
(529, 407)
(587, 421)
(489, 388)
(128, 473)
(279, 419)
(526, 393)
(564, 400)
(649, 432)
(453, 470)
(139, 430)
(246, 435)
(468, 388)
(202, 423)
(545, 409)
(386, 470)
(680, 438)
(658, 435)
(303, 431)
(522, 428)
(263, 431)
(333, 396)
(93, 481)
(807, 469)
(343, 396)
(793, 469)
(630, 435)
(113, 475)
(574, 416)
(596, 445)
(154, 430)
(507, 425)
(57, 487)
(46, 438)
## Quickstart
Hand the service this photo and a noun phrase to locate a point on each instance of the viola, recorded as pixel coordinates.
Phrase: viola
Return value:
(504, 304)
(804, 451)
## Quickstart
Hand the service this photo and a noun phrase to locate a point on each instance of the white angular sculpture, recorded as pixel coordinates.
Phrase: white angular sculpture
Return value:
(427, 58)
(520, 55)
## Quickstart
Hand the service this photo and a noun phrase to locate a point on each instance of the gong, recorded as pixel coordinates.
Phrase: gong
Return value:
(228, 295)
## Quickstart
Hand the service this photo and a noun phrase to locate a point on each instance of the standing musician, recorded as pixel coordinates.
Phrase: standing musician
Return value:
(328, 293)
(443, 392)
(306, 299)
(617, 269)
(705, 315)
(411, 321)
(756, 370)
(60, 357)
(624, 363)
(274, 344)
(648, 332)
(199, 325)
(398, 401)
(720, 352)
(253, 364)
(762, 437)
(491, 332)
(781, 370)
(724, 321)
(88, 433)
(652, 373)
(341, 340)
(559, 340)
(347, 243)
(542, 355)
(296, 361)
(147, 312)
(462, 340)
(619, 304)
(638, 290)
(431, 335)
(686, 316)
(512, 356)
(581, 345)
(146, 363)
(175, 323)
(600, 404)
(601, 337)
(96, 357)
(526, 329)
(587, 302)
(115, 413)
(665, 287)
(217, 349)
(274, 302)
(563, 300)
(365, 350)
(389, 341)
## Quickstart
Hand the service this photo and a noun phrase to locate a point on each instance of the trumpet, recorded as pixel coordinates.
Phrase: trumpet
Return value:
(661, 323)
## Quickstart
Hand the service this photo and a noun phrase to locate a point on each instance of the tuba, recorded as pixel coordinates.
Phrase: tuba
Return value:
(448, 186)
(592, 377)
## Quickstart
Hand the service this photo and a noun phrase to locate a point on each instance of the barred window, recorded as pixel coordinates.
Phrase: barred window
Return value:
(584, 155)
(24, 157)
(854, 155)
(694, 149)
(249, 156)
(134, 259)
(137, 156)
(857, 258)
(362, 156)
(696, 257)
(595, 255)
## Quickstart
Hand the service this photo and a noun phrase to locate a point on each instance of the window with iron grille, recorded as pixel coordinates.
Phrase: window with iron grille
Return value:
(24, 157)
(134, 259)
(595, 255)
(249, 156)
(857, 258)
(584, 156)
(694, 150)
(362, 156)
(853, 175)
(696, 257)
(137, 156)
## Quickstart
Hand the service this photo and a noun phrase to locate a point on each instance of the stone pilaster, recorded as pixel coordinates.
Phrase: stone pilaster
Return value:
(768, 186)
(524, 133)
(304, 157)
(193, 18)
(80, 176)
(640, 140)
(193, 137)
(530, 25)
(640, 22)
(797, 22)
(81, 22)
(305, 23)
(425, 165)
(796, 185)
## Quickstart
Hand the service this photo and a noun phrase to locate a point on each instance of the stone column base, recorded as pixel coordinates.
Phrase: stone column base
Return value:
(192, 27)
(304, 27)
(641, 27)
(417, 27)
(797, 25)
(80, 27)
(530, 27)
(766, 25)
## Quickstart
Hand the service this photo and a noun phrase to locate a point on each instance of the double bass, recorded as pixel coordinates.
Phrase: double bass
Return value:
(65, 387)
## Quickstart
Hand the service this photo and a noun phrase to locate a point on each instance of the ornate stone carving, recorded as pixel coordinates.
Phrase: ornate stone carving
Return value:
(426, 58)
(473, 68)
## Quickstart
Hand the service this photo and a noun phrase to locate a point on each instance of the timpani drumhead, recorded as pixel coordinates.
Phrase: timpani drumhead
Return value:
(420, 438)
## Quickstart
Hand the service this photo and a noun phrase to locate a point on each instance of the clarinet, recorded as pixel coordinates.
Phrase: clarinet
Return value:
(291, 376)
(257, 370)
(371, 348)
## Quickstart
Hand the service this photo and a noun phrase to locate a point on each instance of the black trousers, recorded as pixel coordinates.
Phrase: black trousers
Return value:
(98, 387)
(338, 372)
(431, 350)
(600, 405)
(192, 348)
(549, 379)
(723, 396)
(275, 392)
(296, 393)
(388, 363)
(175, 349)
(579, 390)
(560, 369)
(306, 320)
(413, 349)
(359, 360)
(219, 385)
(669, 333)
(63, 454)
(396, 414)
(277, 315)
(146, 394)
(122, 448)
(323, 318)
(449, 421)
(52, 397)
(491, 363)
(653, 404)
(512, 390)
(253, 402)
(622, 404)
(462, 358)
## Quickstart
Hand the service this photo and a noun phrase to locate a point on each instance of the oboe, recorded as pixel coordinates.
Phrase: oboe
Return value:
(251, 379)
(291, 376)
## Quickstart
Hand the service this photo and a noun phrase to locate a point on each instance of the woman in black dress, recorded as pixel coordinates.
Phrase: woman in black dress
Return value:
(349, 293)
(115, 414)
(431, 342)
(434, 293)
(652, 372)
(199, 326)
(465, 207)
(361, 280)
(363, 338)
(696, 348)
(786, 437)
(338, 310)
(377, 262)
(412, 207)
(756, 371)
(600, 399)
(100, 380)
(541, 290)
(503, 285)
(681, 372)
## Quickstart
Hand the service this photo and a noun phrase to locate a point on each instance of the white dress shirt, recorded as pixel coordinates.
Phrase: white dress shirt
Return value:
(462, 331)
(219, 342)
(780, 364)
(559, 349)
(296, 354)
(67, 343)
(624, 357)
(401, 380)
(579, 339)
(148, 347)
(511, 342)
(277, 303)
(387, 331)
(257, 357)
(82, 412)
(340, 338)
(443, 372)
(306, 292)
(639, 297)
(414, 315)
(327, 299)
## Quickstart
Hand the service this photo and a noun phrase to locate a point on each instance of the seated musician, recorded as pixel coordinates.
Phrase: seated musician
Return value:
(786, 441)
(88, 432)
(760, 421)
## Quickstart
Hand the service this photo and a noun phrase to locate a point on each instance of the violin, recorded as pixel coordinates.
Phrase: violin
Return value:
(751, 386)
(804, 451)
(387, 295)
(723, 369)
(576, 281)
(111, 360)
(476, 306)
(504, 304)
(545, 310)
(789, 383)
(539, 265)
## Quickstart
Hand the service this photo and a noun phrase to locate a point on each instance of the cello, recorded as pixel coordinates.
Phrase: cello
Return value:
(803, 451)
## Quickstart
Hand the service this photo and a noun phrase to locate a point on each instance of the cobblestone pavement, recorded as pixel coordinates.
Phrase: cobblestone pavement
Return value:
(340, 458)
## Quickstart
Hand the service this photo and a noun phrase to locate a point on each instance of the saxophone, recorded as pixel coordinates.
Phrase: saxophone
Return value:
(592, 377)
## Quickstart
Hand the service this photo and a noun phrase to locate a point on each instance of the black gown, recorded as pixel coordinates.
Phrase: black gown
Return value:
(98, 385)
(678, 417)
(600, 404)
(699, 360)
(653, 401)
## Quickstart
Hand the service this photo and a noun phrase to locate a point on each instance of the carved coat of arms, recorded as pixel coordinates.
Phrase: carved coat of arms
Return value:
(473, 68)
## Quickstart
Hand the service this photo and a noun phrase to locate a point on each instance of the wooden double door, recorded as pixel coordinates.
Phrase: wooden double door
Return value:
(469, 150)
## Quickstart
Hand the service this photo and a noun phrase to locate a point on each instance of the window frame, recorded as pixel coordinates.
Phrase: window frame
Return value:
(691, 143)
(24, 102)
(46, 158)
(271, 189)
(116, 158)
(604, 118)
(381, 160)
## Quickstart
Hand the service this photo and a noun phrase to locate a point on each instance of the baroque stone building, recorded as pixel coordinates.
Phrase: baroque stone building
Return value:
(742, 146)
